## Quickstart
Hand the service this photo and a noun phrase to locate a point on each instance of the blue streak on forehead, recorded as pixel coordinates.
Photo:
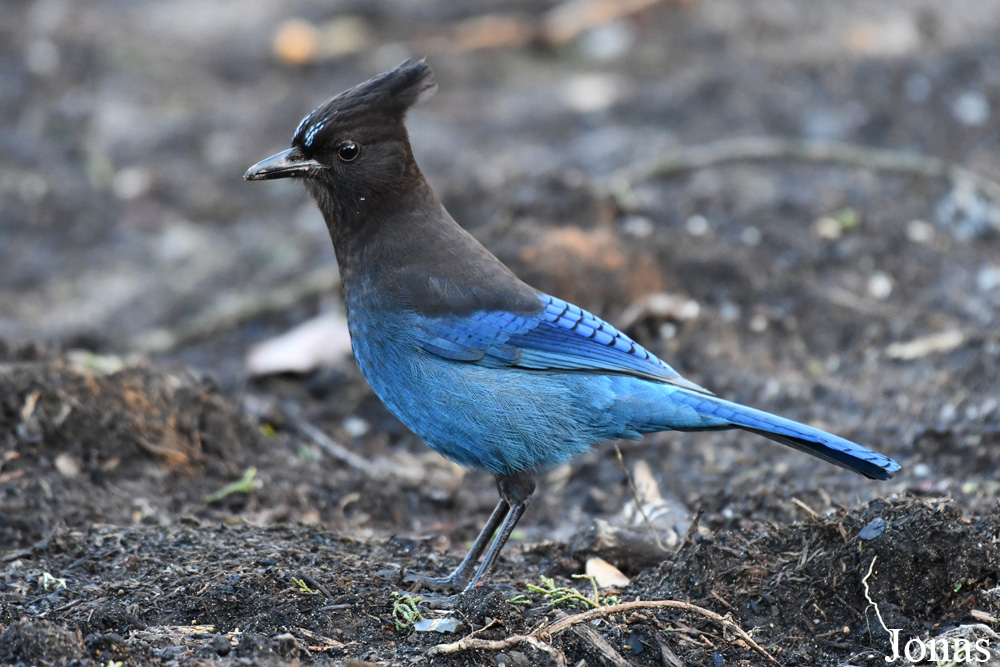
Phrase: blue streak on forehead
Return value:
(311, 133)
(311, 125)
(303, 123)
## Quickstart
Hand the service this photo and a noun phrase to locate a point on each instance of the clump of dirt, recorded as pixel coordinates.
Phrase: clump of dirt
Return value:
(39, 642)
(803, 586)
(83, 444)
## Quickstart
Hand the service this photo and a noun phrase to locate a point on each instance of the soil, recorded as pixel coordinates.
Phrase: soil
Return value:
(862, 299)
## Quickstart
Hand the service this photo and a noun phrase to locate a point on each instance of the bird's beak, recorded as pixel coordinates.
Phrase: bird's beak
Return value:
(286, 164)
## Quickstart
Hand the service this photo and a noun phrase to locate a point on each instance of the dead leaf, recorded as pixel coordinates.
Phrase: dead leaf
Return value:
(322, 341)
(605, 574)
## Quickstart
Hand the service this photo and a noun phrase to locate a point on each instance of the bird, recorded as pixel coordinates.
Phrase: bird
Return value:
(488, 371)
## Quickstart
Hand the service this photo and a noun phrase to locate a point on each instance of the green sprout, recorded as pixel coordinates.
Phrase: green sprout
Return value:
(519, 600)
(570, 597)
(404, 611)
(303, 586)
(243, 485)
(49, 581)
(847, 217)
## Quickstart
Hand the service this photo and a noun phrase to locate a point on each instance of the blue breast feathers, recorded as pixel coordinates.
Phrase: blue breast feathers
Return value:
(560, 337)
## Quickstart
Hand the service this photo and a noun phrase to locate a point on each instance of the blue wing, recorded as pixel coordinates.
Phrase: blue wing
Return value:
(560, 337)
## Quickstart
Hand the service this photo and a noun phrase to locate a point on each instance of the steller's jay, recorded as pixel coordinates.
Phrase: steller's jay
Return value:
(487, 370)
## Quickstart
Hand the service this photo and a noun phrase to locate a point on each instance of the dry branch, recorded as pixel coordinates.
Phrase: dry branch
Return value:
(639, 502)
(589, 635)
(553, 629)
(476, 644)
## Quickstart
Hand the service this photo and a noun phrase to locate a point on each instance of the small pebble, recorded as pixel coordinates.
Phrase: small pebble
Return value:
(634, 642)
(696, 225)
(880, 286)
(874, 528)
(828, 228)
(42, 57)
(131, 183)
(667, 330)
(971, 108)
(356, 426)
(33, 188)
(729, 311)
(637, 226)
(608, 41)
(220, 645)
(441, 625)
(67, 466)
(920, 231)
(988, 278)
(751, 236)
(917, 88)
(587, 93)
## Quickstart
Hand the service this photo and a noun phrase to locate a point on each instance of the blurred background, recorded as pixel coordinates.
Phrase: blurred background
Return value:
(613, 153)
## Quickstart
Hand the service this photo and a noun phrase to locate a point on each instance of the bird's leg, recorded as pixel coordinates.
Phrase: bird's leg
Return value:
(515, 491)
(462, 573)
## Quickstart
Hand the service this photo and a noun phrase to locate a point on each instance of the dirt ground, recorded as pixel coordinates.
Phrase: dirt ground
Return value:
(855, 287)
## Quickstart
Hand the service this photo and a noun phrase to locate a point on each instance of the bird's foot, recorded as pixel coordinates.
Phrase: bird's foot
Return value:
(440, 601)
(454, 581)
(436, 600)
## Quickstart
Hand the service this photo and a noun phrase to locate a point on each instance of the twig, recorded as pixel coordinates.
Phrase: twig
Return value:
(313, 584)
(722, 600)
(692, 158)
(566, 623)
(638, 501)
(319, 642)
(589, 635)
(692, 529)
(864, 582)
(380, 469)
(805, 508)
(475, 644)
(233, 310)
(667, 656)
(941, 342)
(485, 627)
(334, 449)
(624, 607)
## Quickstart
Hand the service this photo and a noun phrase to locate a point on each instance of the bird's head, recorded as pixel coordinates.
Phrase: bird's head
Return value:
(354, 147)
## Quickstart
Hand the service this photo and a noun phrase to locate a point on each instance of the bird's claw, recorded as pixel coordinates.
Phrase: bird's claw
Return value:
(450, 582)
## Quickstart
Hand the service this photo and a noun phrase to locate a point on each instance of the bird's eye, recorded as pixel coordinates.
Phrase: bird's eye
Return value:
(348, 151)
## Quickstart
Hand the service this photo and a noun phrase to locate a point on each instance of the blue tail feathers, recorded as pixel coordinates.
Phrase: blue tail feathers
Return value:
(827, 446)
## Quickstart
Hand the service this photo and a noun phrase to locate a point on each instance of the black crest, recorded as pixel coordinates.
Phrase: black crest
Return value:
(389, 94)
